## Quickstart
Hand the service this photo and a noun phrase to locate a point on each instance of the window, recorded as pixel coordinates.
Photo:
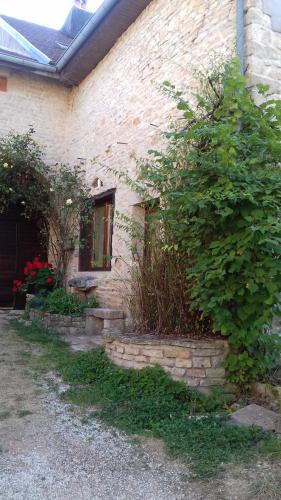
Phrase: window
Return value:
(96, 235)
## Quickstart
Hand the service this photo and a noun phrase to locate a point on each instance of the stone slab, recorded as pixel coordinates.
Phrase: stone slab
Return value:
(255, 415)
(104, 313)
(83, 283)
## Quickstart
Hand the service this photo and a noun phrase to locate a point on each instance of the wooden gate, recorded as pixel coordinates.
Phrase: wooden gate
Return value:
(19, 242)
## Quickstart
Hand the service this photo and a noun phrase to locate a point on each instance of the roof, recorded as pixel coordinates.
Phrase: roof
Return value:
(76, 19)
(13, 42)
(43, 38)
(72, 64)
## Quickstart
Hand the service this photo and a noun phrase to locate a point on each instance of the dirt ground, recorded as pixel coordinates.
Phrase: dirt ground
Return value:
(50, 451)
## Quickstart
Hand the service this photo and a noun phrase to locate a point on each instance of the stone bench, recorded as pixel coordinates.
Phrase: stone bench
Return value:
(100, 321)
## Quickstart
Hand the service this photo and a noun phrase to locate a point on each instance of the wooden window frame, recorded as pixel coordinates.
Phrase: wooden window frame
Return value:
(98, 200)
(3, 83)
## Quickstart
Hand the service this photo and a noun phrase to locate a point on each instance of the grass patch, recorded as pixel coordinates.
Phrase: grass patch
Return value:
(24, 413)
(39, 334)
(148, 402)
(4, 414)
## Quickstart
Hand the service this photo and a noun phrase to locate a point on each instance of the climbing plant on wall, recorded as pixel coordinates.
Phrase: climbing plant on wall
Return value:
(23, 173)
(219, 182)
(57, 196)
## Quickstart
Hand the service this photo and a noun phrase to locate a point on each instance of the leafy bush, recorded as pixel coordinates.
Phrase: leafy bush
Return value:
(60, 302)
(21, 173)
(219, 182)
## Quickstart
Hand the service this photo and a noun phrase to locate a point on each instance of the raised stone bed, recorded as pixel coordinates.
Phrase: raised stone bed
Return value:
(65, 325)
(198, 363)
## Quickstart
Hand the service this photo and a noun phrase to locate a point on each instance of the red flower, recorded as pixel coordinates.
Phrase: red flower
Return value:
(19, 283)
(14, 289)
(15, 282)
(49, 280)
(33, 273)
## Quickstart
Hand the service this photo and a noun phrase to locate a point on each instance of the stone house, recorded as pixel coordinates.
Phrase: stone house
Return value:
(90, 91)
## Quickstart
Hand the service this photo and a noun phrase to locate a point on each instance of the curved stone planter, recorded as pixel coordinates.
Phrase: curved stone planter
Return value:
(198, 363)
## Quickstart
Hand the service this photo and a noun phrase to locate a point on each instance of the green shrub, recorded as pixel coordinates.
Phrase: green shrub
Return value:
(219, 182)
(60, 302)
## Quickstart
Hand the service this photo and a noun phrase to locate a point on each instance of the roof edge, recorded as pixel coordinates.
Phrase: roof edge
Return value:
(100, 14)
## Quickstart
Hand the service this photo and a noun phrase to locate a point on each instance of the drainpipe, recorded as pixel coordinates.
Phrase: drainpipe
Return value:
(240, 35)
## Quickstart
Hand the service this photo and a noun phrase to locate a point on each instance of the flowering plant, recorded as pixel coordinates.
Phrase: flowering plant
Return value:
(55, 196)
(38, 276)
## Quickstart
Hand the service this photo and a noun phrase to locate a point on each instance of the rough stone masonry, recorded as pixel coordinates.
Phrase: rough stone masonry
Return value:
(117, 111)
(198, 363)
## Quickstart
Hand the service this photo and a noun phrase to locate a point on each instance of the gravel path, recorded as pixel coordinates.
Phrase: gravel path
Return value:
(47, 452)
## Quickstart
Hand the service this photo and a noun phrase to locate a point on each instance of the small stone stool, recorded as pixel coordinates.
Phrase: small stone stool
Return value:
(100, 321)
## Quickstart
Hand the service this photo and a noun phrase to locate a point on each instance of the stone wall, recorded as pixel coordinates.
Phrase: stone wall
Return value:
(31, 100)
(65, 325)
(118, 110)
(263, 43)
(198, 363)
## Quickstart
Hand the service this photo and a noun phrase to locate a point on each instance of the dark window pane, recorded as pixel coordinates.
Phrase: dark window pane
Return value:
(100, 224)
(96, 237)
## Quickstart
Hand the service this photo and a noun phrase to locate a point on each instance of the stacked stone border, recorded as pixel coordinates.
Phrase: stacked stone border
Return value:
(198, 363)
(65, 325)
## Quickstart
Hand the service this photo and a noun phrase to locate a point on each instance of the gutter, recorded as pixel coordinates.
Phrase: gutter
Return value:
(240, 35)
(45, 68)
(93, 23)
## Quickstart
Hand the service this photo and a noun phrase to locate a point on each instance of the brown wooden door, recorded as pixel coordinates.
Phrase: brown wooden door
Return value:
(19, 242)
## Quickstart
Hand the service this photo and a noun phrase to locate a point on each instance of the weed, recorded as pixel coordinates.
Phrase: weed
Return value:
(39, 334)
(24, 413)
(5, 414)
(267, 490)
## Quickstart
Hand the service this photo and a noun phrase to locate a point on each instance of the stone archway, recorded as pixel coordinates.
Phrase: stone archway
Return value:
(19, 242)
